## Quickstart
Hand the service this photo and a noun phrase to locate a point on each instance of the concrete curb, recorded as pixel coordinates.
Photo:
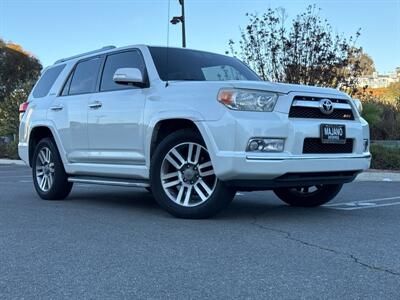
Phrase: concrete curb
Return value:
(17, 162)
(372, 175)
(379, 176)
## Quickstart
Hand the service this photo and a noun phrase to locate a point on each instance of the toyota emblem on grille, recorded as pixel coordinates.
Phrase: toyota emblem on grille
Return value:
(326, 106)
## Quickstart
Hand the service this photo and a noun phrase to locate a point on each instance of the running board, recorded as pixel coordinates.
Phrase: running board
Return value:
(110, 181)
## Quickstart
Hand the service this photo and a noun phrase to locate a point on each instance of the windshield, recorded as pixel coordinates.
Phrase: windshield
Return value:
(183, 64)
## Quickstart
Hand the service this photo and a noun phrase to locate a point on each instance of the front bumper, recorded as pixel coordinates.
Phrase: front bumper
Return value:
(234, 166)
(295, 180)
(227, 139)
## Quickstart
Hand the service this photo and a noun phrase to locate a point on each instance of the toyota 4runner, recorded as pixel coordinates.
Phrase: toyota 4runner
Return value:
(192, 127)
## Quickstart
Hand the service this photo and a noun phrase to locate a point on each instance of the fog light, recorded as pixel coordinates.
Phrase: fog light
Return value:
(265, 145)
(255, 145)
(366, 145)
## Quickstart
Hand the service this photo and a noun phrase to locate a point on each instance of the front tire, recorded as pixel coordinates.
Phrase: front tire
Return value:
(183, 180)
(308, 196)
(49, 177)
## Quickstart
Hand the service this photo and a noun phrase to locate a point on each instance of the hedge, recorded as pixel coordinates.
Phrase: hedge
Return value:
(385, 157)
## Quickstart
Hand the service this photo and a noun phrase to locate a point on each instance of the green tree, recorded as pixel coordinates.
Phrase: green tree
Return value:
(367, 64)
(17, 68)
(9, 114)
(306, 52)
(393, 94)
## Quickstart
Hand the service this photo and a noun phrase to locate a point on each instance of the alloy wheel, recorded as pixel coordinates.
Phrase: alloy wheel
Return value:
(187, 174)
(45, 171)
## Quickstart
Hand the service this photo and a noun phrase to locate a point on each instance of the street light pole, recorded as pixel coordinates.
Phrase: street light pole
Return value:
(181, 19)
(182, 3)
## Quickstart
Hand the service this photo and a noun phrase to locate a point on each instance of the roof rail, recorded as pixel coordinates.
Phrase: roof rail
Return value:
(84, 54)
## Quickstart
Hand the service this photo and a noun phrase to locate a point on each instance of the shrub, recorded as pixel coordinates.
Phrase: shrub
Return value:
(385, 158)
(9, 150)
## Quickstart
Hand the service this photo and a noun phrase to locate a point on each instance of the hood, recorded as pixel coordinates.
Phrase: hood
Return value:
(285, 88)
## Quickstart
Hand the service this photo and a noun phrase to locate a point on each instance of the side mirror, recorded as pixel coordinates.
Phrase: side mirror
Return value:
(128, 75)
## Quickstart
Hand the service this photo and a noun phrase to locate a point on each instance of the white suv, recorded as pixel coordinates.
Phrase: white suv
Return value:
(192, 127)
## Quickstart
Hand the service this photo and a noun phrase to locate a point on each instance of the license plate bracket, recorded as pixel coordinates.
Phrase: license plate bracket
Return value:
(333, 133)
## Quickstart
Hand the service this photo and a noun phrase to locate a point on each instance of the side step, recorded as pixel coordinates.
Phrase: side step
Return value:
(110, 181)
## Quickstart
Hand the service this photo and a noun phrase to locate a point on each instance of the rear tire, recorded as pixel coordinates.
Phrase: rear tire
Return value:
(49, 177)
(183, 180)
(304, 197)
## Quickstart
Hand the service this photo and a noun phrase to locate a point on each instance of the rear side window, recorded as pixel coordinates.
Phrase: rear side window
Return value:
(129, 59)
(85, 76)
(47, 80)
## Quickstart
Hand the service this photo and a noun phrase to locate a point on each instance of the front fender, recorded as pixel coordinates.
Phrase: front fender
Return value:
(186, 114)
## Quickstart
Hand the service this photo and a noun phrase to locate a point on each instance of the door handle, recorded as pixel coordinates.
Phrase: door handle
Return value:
(56, 107)
(95, 105)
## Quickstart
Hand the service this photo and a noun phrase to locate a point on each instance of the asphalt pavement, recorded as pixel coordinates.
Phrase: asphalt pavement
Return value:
(116, 243)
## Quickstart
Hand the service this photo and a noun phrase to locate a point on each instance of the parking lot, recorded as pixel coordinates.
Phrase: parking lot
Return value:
(114, 242)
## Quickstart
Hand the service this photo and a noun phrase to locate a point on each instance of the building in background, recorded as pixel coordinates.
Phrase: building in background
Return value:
(377, 80)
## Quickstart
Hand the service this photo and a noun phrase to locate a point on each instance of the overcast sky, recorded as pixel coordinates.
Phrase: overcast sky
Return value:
(52, 29)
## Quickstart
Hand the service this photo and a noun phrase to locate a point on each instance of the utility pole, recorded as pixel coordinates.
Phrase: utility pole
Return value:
(181, 19)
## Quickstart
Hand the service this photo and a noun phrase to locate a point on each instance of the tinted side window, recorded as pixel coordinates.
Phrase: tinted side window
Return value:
(85, 76)
(129, 59)
(46, 81)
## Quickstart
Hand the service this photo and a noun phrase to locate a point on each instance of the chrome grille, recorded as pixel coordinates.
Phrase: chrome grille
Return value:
(308, 107)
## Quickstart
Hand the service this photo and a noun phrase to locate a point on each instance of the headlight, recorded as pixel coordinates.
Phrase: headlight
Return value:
(358, 105)
(250, 100)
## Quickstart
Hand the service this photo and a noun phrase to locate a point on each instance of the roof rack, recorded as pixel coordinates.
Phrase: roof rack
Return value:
(84, 54)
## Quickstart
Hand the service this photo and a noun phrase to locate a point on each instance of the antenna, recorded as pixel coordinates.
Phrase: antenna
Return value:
(169, 7)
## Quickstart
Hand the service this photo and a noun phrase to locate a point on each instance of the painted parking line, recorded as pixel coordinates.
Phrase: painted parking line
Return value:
(365, 204)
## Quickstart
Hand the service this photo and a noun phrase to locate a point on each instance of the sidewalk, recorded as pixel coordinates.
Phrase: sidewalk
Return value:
(4, 161)
(379, 175)
(370, 175)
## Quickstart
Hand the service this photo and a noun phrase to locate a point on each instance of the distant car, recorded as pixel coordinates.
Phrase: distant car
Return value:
(190, 126)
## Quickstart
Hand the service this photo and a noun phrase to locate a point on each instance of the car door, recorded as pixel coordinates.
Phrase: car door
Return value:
(115, 114)
(69, 110)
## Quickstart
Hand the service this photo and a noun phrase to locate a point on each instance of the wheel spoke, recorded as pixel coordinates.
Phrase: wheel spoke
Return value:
(195, 160)
(179, 197)
(187, 196)
(200, 192)
(50, 180)
(177, 164)
(205, 165)
(171, 183)
(42, 157)
(169, 175)
(205, 186)
(42, 182)
(207, 173)
(39, 171)
(48, 155)
(190, 153)
(178, 156)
